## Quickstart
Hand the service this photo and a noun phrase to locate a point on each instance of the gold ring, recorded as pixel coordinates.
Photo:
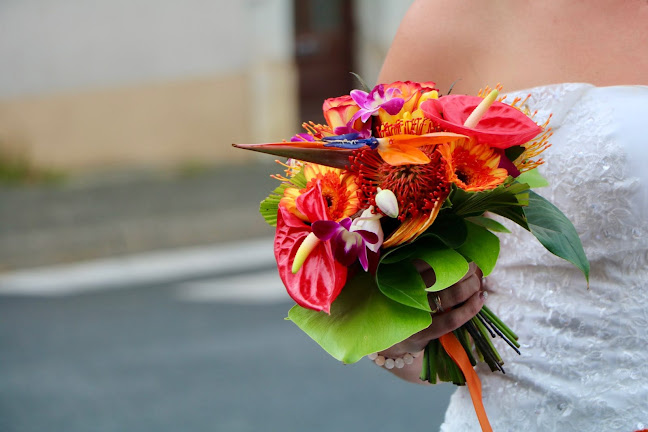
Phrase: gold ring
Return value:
(437, 303)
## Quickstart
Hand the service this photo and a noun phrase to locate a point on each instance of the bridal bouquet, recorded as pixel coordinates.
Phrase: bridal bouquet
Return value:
(401, 174)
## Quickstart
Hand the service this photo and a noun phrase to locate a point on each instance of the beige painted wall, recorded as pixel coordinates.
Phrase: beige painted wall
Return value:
(45, 115)
(158, 125)
(90, 85)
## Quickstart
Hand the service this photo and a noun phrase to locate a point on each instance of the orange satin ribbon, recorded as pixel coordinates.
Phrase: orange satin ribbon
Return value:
(456, 351)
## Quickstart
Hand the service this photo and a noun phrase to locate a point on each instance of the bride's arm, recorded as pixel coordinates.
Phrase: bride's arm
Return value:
(440, 41)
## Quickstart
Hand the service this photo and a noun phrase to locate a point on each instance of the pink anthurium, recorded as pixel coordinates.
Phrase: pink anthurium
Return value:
(501, 126)
(321, 278)
(347, 245)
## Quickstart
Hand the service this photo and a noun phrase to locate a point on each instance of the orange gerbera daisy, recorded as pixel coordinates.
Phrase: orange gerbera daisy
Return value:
(339, 190)
(472, 166)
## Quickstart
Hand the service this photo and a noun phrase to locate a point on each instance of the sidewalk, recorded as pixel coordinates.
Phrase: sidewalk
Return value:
(131, 213)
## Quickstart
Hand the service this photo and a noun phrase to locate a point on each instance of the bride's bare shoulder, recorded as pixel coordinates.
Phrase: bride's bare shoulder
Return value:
(521, 44)
(441, 41)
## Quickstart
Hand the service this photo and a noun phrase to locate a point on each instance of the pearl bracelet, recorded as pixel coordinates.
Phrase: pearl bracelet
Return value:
(390, 363)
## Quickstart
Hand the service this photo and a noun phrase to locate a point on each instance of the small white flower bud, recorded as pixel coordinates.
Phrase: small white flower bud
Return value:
(387, 202)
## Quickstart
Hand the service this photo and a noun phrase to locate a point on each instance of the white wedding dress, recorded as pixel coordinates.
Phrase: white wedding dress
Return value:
(584, 362)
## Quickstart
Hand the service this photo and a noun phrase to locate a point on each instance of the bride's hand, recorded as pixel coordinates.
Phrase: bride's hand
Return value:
(453, 307)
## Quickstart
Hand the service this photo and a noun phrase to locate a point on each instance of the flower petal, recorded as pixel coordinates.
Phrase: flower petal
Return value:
(397, 154)
(312, 204)
(393, 106)
(369, 221)
(367, 236)
(325, 229)
(360, 97)
(302, 137)
(316, 152)
(345, 248)
(320, 279)
(502, 126)
(346, 223)
(412, 228)
(362, 257)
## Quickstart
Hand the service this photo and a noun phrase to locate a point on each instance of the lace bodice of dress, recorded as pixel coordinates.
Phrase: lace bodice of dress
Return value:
(583, 363)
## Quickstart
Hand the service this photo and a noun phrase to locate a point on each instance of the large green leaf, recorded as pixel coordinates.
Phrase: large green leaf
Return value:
(533, 178)
(482, 247)
(402, 283)
(449, 266)
(270, 206)
(488, 223)
(449, 228)
(399, 253)
(556, 233)
(362, 321)
(507, 195)
(515, 214)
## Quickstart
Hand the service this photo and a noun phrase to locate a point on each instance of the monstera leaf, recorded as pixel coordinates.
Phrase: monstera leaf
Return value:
(361, 321)
(482, 247)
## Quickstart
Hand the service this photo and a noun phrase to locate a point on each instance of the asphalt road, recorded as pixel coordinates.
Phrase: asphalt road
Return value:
(207, 354)
(131, 212)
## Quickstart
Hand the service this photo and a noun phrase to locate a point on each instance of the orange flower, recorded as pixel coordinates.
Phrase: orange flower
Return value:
(413, 93)
(472, 166)
(339, 111)
(338, 187)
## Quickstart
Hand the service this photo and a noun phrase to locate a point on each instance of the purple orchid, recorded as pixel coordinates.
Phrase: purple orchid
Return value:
(301, 137)
(371, 102)
(369, 220)
(347, 245)
(364, 132)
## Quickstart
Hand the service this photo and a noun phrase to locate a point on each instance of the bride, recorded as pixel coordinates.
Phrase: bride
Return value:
(583, 363)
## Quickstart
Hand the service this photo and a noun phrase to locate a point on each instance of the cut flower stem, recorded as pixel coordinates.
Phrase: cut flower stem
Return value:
(437, 364)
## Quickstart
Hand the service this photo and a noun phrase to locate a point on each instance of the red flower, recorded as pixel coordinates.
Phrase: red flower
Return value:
(502, 126)
(321, 278)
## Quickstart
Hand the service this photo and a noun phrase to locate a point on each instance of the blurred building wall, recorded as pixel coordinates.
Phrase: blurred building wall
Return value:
(98, 84)
(377, 21)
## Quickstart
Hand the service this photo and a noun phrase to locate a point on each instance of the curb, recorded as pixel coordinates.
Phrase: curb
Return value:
(141, 269)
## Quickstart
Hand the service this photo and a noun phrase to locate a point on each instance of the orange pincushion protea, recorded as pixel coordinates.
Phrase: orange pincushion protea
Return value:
(339, 190)
(471, 166)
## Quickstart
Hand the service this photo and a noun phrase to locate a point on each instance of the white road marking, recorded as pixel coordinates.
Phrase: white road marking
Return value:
(149, 268)
(263, 287)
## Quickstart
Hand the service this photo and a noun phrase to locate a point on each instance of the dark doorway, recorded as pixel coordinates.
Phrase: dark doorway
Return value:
(323, 52)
